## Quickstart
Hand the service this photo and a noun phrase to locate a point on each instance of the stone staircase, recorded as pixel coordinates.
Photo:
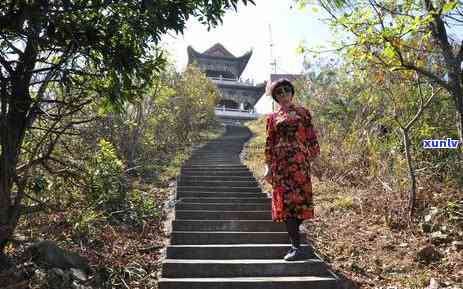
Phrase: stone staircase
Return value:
(223, 235)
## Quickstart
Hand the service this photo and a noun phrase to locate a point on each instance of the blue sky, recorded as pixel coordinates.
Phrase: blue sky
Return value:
(249, 29)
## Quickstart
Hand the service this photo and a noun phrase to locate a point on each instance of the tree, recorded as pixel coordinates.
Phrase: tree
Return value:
(347, 103)
(408, 104)
(106, 46)
(408, 35)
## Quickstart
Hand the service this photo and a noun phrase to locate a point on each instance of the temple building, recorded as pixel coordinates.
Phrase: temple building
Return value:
(224, 69)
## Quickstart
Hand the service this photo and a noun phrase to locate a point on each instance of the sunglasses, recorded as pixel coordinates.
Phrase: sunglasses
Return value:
(283, 90)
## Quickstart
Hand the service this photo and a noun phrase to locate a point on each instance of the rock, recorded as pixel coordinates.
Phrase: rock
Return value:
(5, 262)
(460, 273)
(39, 278)
(48, 252)
(433, 284)
(458, 245)
(428, 254)
(439, 238)
(76, 285)
(58, 278)
(78, 275)
(19, 238)
(426, 227)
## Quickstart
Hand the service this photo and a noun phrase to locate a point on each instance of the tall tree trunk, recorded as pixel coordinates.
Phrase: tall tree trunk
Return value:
(11, 146)
(16, 105)
(452, 64)
(411, 173)
(459, 122)
(134, 136)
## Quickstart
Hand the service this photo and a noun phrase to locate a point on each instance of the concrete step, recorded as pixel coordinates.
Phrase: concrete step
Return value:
(205, 152)
(222, 215)
(211, 163)
(227, 200)
(220, 195)
(234, 251)
(235, 142)
(228, 225)
(235, 150)
(201, 159)
(223, 206)
(198, 268)
(280, 282)
(224, 189)
(228, 160)
(215, 183)
(202, 238)
(200, 178)
(206, 157)
(230, 168)
(216, 173)
(224, 166)
(223, 235)
(231, 142)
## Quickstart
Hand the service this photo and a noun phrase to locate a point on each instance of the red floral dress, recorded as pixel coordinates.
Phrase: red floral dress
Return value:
(291, 142)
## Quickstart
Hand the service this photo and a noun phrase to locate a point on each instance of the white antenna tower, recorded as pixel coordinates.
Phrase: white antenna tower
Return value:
(273, 62)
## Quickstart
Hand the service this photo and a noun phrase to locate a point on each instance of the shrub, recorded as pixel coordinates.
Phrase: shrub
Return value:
(106, 189)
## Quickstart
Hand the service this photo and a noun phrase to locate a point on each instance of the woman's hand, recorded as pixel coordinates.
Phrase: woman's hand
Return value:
(268, 173)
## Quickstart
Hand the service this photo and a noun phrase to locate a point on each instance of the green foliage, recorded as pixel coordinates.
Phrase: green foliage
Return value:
(84, 224)
(86, 53)
(152, 133)
(143, 205)
(114, 38)
(343, 203)
(106, 179)
(40, 184)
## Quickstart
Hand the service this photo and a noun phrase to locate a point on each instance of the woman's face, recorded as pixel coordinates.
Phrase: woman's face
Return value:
(284, 95)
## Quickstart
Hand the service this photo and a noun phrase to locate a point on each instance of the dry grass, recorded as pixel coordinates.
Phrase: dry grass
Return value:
(360, 228)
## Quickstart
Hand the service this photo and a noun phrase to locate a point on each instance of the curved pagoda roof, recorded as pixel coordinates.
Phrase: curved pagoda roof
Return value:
(219, 54)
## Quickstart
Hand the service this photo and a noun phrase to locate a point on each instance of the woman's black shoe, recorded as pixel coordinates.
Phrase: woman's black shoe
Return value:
(294, 254)
(291, 249)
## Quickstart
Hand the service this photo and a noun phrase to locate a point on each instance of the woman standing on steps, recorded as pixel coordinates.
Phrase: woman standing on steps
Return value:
(291, 146)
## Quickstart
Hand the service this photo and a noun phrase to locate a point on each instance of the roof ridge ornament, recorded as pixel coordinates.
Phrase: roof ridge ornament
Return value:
(218, 60)
(218, 50)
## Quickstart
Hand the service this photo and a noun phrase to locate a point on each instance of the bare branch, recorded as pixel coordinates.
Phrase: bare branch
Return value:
(460, 53)
(10, 45)
(427, 73)
(7, 65)
(422, 105)
(54, 131)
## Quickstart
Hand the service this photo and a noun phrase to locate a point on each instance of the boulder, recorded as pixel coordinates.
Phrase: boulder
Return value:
(78, 275)
(433, 284)
(458, 245)
(48, 252)
(58, 278)
(428, 254)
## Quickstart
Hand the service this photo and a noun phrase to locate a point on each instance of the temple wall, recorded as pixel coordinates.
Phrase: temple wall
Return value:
(223, 65)
(239, 95)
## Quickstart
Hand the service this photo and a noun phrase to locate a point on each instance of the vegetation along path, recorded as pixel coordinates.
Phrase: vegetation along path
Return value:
(223, 235)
